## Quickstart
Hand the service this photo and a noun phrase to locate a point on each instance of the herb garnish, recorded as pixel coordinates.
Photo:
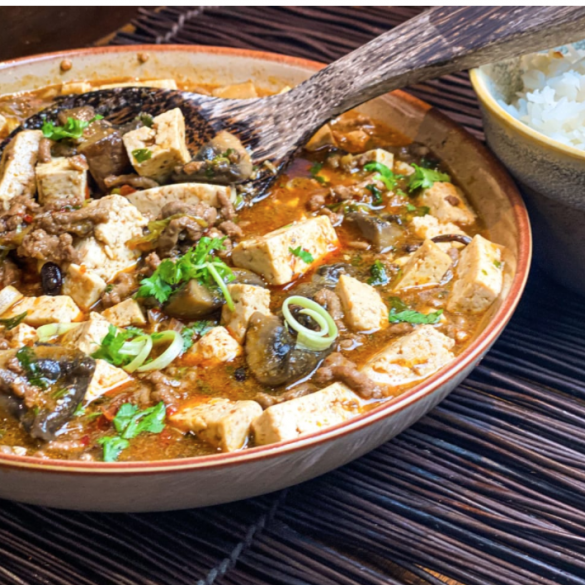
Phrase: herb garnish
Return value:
(146, 119)
(384, 174)
(113, 446)
(142, 155)
(73, 128)
(376, 194)
(315, 170)
(425, 178)
(26, 358)
(378, 272)
(304, 255)
(497, 264)
(199, 327)
(418, 211)
(112, 343)
(400, 313)
(196, 263)
(13, 322)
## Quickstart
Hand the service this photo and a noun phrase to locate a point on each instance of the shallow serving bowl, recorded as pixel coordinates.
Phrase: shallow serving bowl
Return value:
(183, 483)
(551, 173)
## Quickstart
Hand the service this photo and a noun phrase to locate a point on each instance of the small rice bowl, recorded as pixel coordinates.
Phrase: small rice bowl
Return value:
(552, 95)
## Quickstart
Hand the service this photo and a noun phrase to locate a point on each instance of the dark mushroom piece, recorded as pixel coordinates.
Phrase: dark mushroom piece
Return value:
(47, 387)
(383, 232)
(272, 355)
(223, 160)
(465, 240)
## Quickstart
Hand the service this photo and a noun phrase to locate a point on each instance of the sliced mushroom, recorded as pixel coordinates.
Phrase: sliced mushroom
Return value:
(383, 232)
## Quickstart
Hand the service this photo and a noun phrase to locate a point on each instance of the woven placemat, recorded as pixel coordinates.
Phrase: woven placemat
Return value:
(487, 489)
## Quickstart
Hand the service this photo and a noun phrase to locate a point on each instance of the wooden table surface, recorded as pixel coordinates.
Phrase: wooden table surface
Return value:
(27, 30)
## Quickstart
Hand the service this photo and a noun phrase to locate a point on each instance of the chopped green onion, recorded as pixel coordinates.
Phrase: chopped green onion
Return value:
(171, 352)
(142, 155)
(46, 332)
(144, 351)
(307, 338)
(219, 280)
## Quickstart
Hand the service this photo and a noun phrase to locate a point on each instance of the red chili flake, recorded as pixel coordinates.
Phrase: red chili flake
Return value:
(127, 190)
(28, 218)
(84, 440)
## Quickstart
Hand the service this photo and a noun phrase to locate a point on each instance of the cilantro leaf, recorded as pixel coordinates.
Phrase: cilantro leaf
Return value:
(425, 178)
(112, 343)
(13, 322)
(199, 328)
(27, 360)
(315, 170)
(397, 303)
(130, 422)
(142, 155)
(418, 211)
(384, 174)
(376, 194)
(411, 316)
(113, 446)
(304, 255)
(73, 128)
(378, 272)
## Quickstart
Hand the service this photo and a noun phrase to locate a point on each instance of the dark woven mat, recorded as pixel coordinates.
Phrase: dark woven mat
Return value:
(488, 489)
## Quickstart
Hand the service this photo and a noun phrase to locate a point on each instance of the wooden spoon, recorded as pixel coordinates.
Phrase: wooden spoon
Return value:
(439, 41)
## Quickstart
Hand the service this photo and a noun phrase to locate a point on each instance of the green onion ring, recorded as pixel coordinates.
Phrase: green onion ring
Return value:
(307, 338)
(228, 298)
(170, 353)
(46, 332)
(146, 348)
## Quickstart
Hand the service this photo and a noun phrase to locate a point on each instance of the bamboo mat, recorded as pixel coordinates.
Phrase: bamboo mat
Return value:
(487, 489)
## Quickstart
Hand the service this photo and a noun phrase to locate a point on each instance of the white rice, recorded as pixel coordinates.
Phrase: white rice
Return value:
(552, 99)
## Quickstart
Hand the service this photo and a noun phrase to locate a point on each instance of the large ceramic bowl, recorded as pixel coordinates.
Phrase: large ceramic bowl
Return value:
(551, 173)
(203, 481)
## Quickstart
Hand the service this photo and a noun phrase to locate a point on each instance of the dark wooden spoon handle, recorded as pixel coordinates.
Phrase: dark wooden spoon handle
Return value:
(441, 40)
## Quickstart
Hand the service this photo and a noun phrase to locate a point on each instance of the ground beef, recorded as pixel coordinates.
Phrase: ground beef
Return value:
(331, 302)
(231, 229)
(337, 368)
(122, 288)
(227, 209)
(336, 218)
(45, 150)
(9, 273)
(48, 248)
(80, 222)
(316, 202)
(78, 162)
(164, 388)
(14, 384)
(227, 243)
(400, 328)
(21, 208)
(151, 263)
(265, 400)
(177, 232)
(200, 210)
(135, 181)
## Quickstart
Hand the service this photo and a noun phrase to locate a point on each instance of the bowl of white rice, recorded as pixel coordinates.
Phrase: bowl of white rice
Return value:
(534, 118)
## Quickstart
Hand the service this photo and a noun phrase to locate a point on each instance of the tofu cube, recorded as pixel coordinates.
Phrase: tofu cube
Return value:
(478, 277)
(45, 309)
(17, 168)
(426, 267)
(247, 300)
(237, 91)
(69, 87)
(106, 377)
(215, 347)
(106, 253)
(410, 358)
(403, 168)
(88, 336)
(8, 297)
(21, 335)
(448, 204)
(166, 143)
(126, 313)
(377, 155)
(219, 422)
(307, 414)
(151, 201)
(322, 138)
(428, 227)
(362, 305)
(270, 255)
(84, 286)
(58, 180)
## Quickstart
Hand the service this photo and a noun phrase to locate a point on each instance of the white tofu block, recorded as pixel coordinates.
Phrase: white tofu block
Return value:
(410, 358)
(59, 181)
(448, 204)
(105, 378)
(247, 300)
(69, 87)
(403, 168)
(21, 335)
(428, 227)
(322, 138)
(106, 253)
(270, 255)
(426, 267)
(307, 414)
(478, 277)
(240, 91)
(377, 155)
(45, 309)
(84, 286)
(215, 347)
(8, 297)
(220, 422)
(89, 335)
(17, 169)
(166, 143)
(362, 305)
(155, 83)
(126, 313)
(151, 201)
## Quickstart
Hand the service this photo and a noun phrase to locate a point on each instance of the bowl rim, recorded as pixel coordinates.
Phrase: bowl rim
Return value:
(473, 353)
(479, 81)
